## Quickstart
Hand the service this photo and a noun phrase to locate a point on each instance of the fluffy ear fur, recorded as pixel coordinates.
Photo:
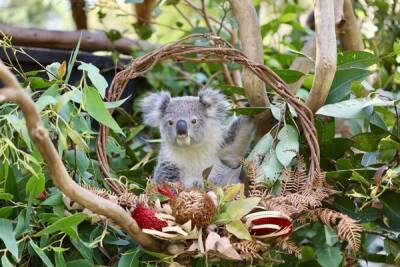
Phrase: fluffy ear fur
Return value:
(215, 103)
(153, 106)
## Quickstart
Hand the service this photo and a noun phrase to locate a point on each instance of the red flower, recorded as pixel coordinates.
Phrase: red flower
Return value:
(165, 190)
(146, 218)
(265, 224)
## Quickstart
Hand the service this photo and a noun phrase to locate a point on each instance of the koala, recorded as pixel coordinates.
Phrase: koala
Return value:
(195, 137)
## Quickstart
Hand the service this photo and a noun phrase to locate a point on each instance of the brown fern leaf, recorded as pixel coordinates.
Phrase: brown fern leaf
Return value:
(249, 249)
(256, 188)
(319, 179)
(101, 192)
(300, 176)
(287, 183)
(289, 246)
(348, 229)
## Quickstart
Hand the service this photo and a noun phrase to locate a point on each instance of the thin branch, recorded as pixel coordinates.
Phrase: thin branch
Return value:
(40, 137)
(184, 16)
(326, 53)
(251, 42)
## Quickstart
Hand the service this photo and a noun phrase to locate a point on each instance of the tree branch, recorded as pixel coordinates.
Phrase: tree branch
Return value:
(90, 41)
(40, 137)
(348, 30)
(303, 64)
(143, 12)
(251, 42)
(79, 14)
(326, 53)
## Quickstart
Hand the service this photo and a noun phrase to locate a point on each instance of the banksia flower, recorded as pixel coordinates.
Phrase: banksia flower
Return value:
(146, 218)
(267, 224)
(165, 190)
(195, 206)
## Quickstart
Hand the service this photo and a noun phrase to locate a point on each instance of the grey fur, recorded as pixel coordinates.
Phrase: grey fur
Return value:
(209, 141)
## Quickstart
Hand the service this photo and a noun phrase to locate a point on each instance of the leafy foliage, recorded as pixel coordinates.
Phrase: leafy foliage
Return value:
(359, 136)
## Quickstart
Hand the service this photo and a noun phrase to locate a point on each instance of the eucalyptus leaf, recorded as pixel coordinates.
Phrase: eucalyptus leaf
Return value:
(95, 77)
(95, 107)
(41, 254)
(8, 237)
(238, 208)
(63, 223)
(329, 256)
(288, 145)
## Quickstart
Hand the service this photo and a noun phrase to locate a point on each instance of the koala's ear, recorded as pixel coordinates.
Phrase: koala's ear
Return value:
(215, 103)
(153, 106)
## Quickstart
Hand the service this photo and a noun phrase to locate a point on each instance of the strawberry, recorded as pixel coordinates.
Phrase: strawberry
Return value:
(146, 218)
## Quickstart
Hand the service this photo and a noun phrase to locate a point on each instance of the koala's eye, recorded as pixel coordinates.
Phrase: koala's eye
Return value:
(170, 123)
(194, 121)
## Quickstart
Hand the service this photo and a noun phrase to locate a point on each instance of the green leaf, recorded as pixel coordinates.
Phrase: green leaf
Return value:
(238, 208)
(41, 254)
(335, 148)
(115, 104)
(270, 169)
(329, 256)
(44, 101)
(340, 88)
(288, 145)
(367, 141)
(261, 148)
(349, 60)
(391, 209)
(95, 77)
(5, 262)
(35, 185)
(130, 258)
(59, 259)
(96, 108)
(72, 59)
(6, 196)
(228, 89)
(134, 1)
(249, 111)
(238, 229)
(63, 223)
(288, 75)
(348, 109)
(396, 47)
(8, 237)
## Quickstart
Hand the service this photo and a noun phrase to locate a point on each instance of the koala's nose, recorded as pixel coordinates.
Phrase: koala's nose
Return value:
(181, 127)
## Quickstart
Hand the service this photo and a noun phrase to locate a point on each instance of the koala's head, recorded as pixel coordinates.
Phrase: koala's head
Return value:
(185, 120)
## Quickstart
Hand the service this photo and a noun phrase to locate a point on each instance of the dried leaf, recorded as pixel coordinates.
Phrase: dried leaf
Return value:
(225, 247)
(211, 241)
(175, 229)
(193, 247)
(200, 241)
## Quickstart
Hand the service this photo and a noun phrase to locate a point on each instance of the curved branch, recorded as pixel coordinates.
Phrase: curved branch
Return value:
(326, 53)
(251, 42)
(40, 137)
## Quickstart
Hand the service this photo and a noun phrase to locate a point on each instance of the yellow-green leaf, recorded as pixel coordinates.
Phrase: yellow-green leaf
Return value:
(238, 229)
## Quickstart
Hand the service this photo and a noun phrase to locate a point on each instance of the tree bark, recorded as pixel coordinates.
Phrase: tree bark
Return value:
(303, 64)
(348, 30)
(251, 43)
(90, 41)
(143, 12)
(326, 53)
(79, 14)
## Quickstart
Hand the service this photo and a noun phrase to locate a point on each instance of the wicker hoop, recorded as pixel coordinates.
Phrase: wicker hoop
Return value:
(217, 51)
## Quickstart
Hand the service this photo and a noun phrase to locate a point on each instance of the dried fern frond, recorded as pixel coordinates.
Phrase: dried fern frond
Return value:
(256, 188)
(249, 249)
(300, 176)
(289, 246)
(348, 229)
(287, 183)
